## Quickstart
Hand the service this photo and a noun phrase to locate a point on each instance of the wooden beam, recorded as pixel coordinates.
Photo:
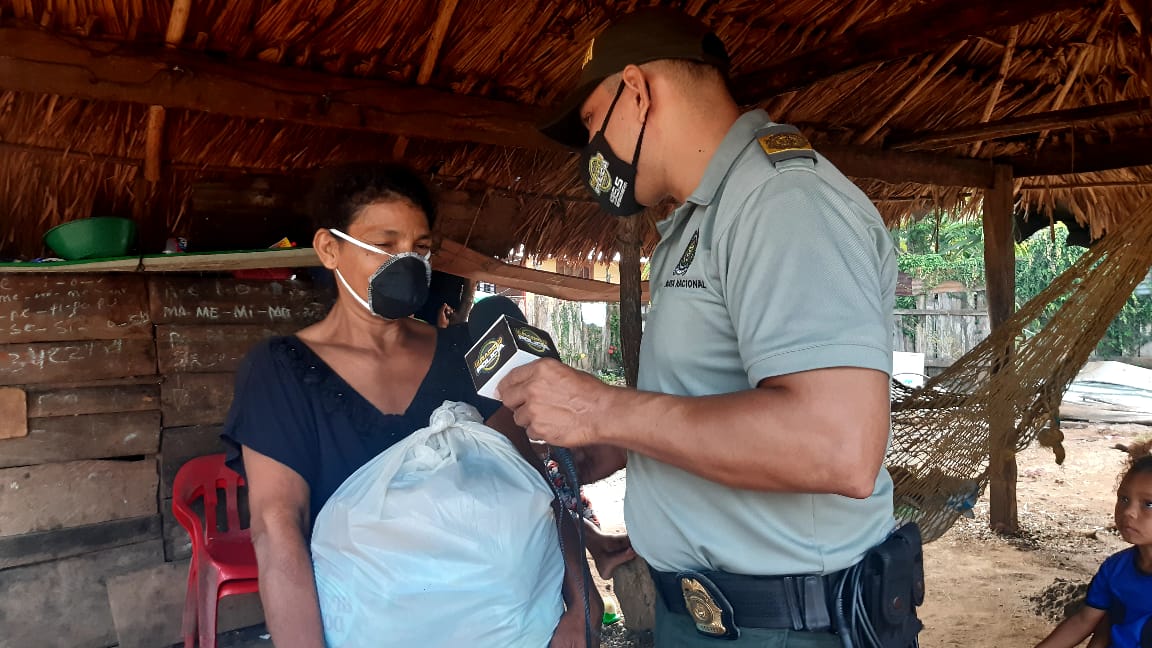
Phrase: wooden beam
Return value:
(456, 259)
(1001, 77)
(177, 22)
(1116, 184)
(431, 53)
(154, 131)
(1000, 274)
(1077, 65)
(1080, 157)
(918, 87)
(896, 167)
(154, 143)
(926, 28)
(33, 61)
(1024, 124)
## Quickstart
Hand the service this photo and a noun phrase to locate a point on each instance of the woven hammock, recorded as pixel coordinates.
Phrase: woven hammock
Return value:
(941, 432)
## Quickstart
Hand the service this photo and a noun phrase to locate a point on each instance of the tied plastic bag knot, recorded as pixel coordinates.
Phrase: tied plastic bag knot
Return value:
(451, 413)
(447, 538)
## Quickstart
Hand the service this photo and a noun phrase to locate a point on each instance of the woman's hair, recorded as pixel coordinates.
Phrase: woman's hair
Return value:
(340, 192)
(1139, 460)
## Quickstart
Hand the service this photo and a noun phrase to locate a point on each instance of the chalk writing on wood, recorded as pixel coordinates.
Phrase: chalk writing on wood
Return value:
(210, 349)
(192, 300)
(49, 307)
(58, 400)
(48, 362)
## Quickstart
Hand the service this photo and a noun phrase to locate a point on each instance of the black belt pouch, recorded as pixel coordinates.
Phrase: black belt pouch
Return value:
(893, 583)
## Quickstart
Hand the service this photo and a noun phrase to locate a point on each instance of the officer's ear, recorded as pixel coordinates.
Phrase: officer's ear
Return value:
(634, 79)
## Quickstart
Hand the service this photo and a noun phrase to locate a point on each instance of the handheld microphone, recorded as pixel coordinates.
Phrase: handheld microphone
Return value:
(486, 311)
(485, 317)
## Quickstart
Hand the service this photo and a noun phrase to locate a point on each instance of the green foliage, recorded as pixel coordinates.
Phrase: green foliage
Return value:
(1045, 256)
(936, 250)
(935, 269)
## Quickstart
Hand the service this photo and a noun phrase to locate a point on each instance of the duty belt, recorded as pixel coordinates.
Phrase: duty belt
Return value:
(720, 603)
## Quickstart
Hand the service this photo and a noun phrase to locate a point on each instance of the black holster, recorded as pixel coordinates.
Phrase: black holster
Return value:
(883, 591)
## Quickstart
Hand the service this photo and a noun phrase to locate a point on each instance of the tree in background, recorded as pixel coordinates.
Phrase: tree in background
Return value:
(939, 248)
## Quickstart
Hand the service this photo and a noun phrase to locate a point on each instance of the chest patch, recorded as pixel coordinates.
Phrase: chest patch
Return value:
(688, 256)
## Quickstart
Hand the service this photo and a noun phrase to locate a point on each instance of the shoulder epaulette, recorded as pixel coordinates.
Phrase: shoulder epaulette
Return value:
(782, 142)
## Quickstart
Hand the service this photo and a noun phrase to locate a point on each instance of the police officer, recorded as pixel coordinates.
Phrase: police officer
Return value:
(755, 442)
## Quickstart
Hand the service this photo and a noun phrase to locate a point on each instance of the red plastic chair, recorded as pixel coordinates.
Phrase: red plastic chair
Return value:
(223, 562)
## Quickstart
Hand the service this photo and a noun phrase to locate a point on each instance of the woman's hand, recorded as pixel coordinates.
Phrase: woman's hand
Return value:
(569, 632)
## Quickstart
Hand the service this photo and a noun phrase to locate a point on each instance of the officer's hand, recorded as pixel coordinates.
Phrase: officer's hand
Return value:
(555, 403)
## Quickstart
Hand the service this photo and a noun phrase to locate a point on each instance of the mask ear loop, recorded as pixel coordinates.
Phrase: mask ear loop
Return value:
(372, 248)
(358, 243)
(643, 127)
(611, 107)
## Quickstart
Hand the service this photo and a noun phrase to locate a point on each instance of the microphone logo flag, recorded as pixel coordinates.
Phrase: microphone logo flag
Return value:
(532, 339)
(507, 344)
(489, 356)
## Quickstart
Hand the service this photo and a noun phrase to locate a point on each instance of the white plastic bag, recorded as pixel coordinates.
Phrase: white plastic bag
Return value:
(446, 539)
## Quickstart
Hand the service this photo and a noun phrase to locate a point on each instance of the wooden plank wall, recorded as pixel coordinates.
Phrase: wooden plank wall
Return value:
(110, 383)
(204, 327)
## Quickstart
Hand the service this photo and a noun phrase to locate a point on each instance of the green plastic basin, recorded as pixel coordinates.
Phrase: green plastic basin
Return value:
(92, 238)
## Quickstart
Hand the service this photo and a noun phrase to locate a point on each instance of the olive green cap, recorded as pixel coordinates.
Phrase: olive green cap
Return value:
(637, 38)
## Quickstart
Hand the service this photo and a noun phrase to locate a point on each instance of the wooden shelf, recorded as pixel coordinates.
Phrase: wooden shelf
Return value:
(201, 262)
(453, 258)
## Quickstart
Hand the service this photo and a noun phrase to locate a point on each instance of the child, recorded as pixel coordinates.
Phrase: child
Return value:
(1121, 591)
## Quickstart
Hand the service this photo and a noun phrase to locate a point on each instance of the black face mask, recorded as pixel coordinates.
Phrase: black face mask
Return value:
(612, 180)
(398, 288)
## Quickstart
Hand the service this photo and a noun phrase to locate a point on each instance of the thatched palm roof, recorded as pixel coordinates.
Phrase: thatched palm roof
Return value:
(872, 75)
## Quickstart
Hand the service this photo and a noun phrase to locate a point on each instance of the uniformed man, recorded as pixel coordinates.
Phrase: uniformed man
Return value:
(755, 443)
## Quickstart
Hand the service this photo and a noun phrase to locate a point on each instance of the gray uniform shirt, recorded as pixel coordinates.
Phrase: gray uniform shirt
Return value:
(767, 269)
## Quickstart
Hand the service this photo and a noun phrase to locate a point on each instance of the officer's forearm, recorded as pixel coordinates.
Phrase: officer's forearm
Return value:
(820, 431)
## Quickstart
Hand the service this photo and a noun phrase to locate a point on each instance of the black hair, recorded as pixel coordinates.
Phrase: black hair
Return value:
(1139, 460)
(340, 192)
(443, 289)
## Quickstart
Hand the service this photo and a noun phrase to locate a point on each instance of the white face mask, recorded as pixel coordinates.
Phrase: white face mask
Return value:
(398, 287)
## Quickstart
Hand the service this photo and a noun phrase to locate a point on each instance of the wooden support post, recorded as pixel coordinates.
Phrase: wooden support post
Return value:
(634, 587)
(1000, 269)
(628, 241)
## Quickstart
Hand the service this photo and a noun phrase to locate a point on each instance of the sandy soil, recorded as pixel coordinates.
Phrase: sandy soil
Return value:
(981, 585)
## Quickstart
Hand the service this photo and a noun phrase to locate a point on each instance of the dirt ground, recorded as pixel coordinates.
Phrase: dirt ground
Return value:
(994, 591)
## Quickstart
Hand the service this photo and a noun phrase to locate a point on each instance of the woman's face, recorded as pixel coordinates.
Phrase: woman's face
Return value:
(395, 227)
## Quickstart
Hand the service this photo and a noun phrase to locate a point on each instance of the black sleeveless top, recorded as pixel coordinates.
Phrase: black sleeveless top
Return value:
(292, 407)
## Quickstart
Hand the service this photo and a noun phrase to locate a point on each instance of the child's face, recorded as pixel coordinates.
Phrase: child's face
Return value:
(1134, 509)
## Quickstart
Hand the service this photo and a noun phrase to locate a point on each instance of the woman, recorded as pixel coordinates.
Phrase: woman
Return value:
(312, 408)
